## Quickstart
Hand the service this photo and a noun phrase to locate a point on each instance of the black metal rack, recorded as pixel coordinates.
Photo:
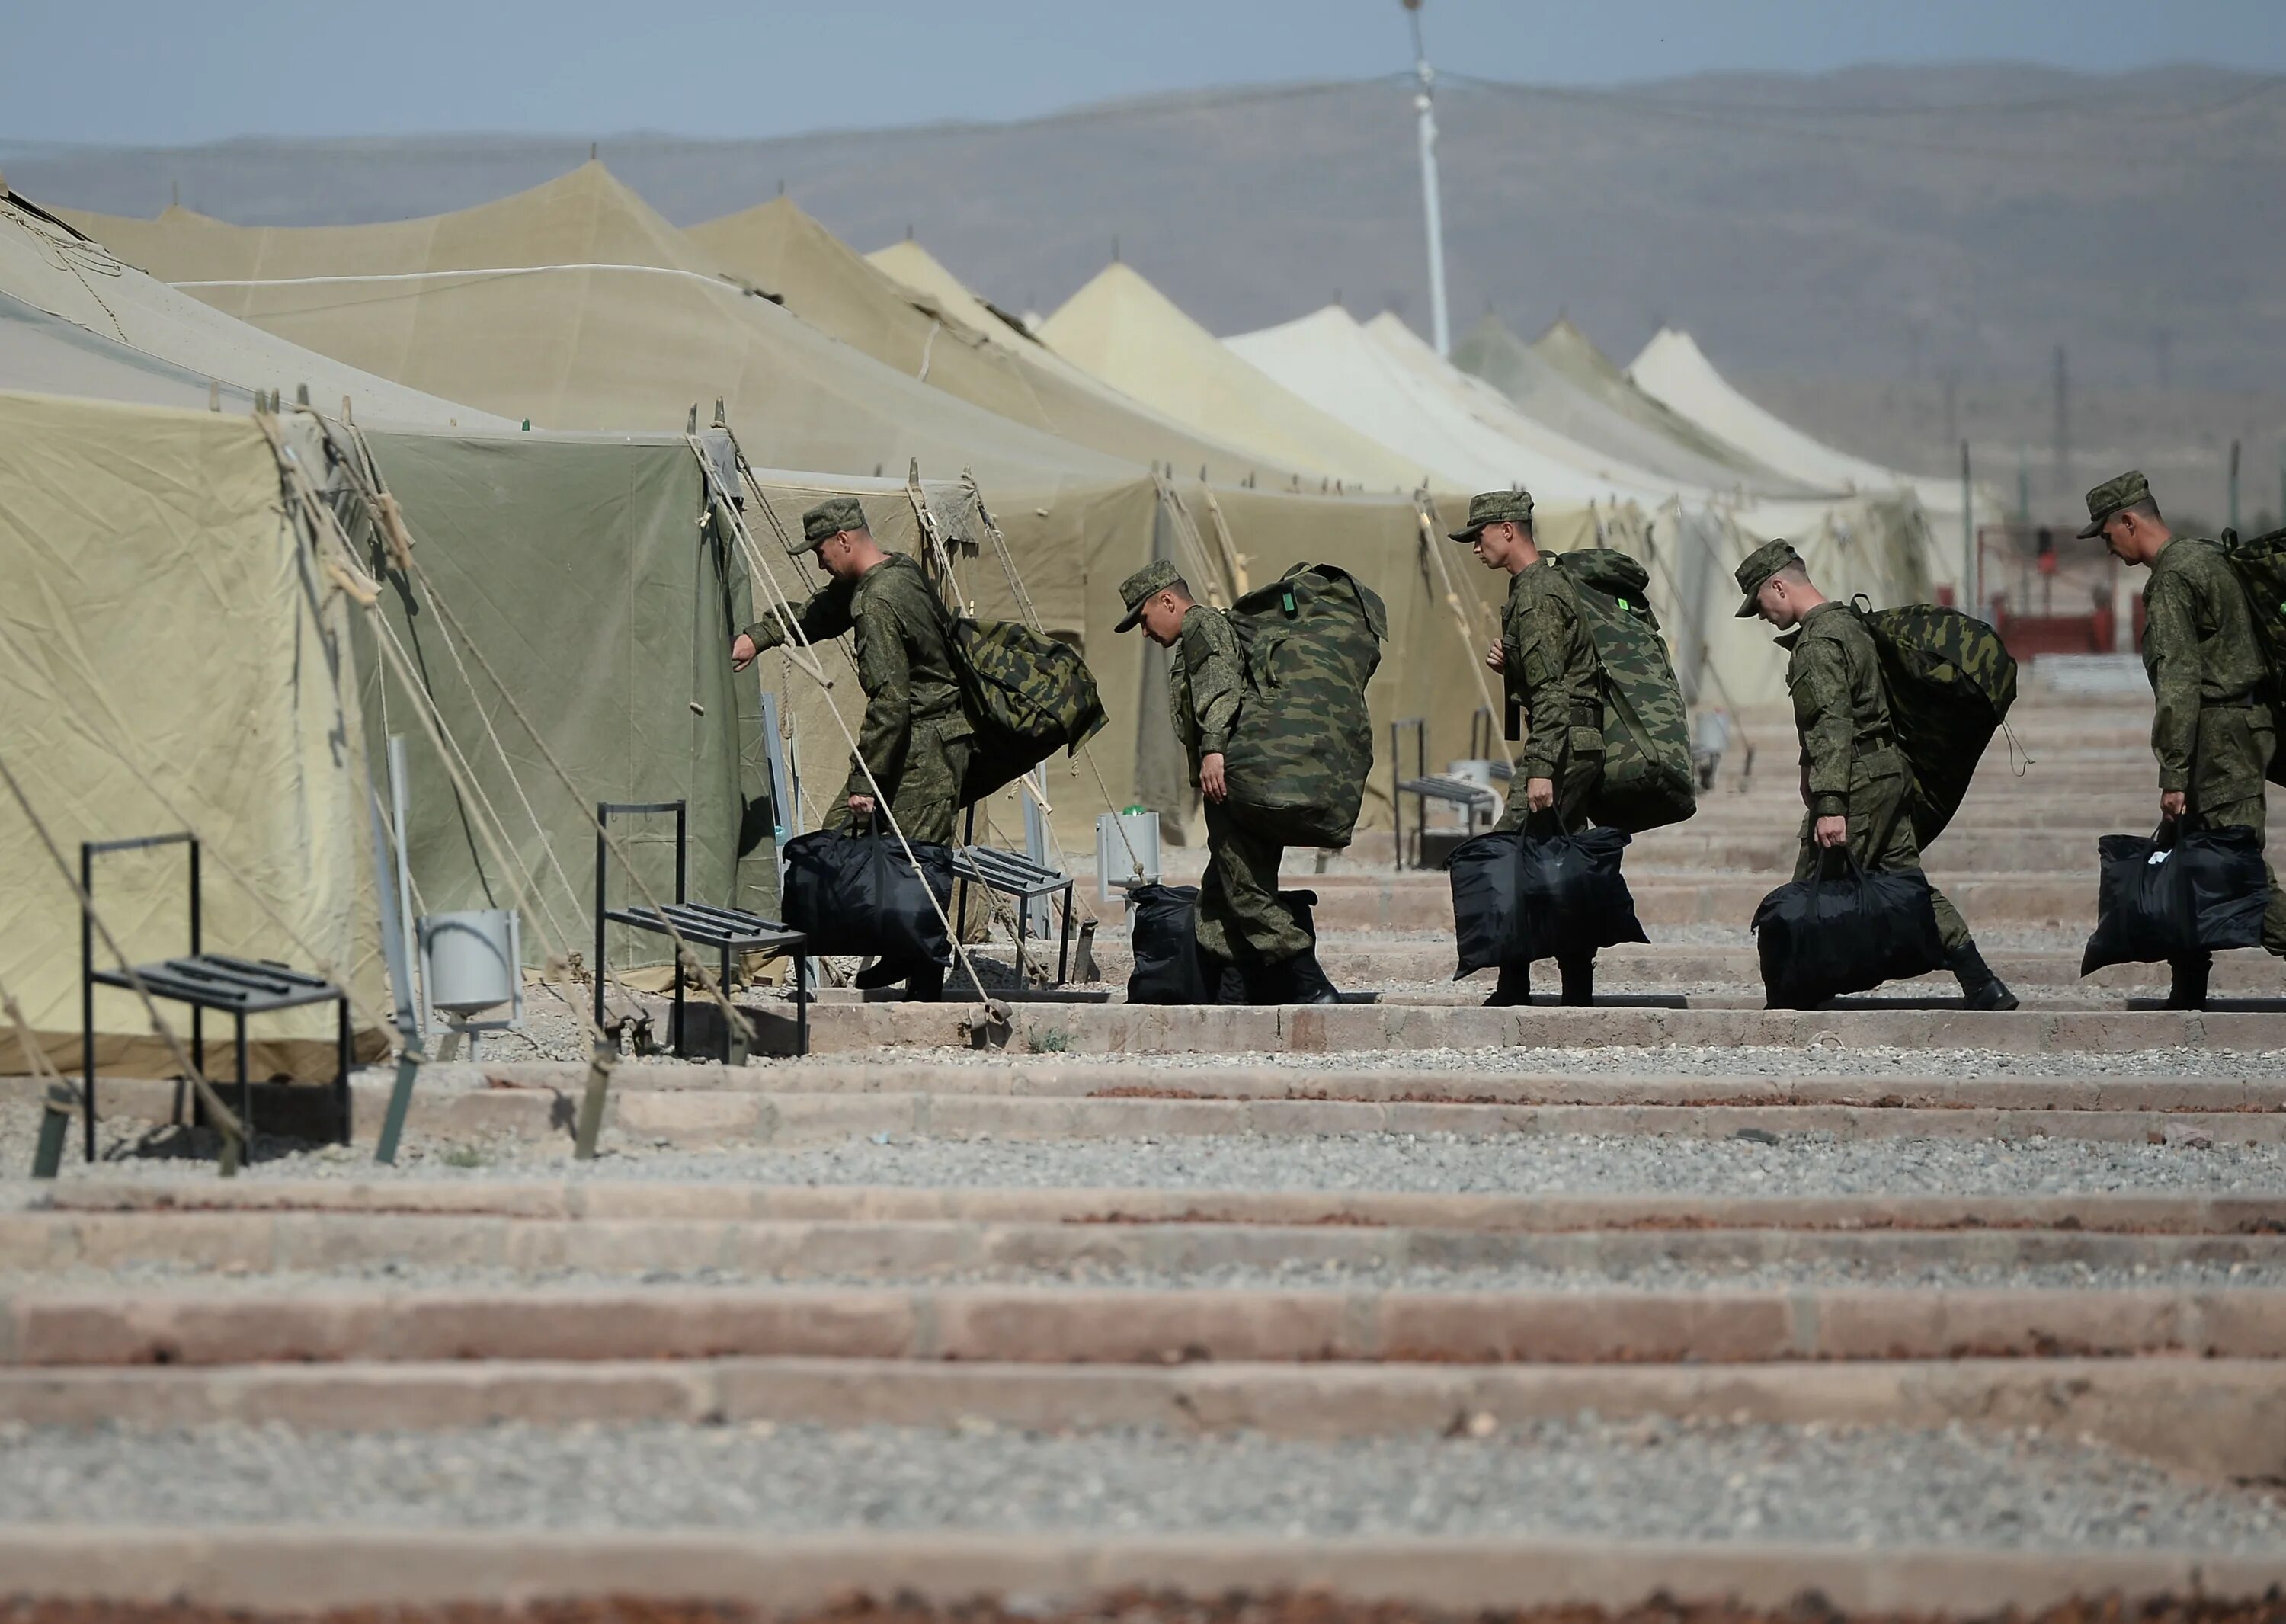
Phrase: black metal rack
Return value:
(729, 930)
(240, 987)
(1023, 879)
(1425, 786)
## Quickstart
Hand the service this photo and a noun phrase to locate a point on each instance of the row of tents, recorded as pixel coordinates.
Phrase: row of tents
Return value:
(593, 426)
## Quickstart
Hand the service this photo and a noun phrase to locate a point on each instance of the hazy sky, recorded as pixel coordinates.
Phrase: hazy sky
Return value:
(165, 71)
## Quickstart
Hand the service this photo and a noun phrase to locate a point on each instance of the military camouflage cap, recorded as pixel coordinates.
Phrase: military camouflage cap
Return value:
(1139, 588)
(1495, 508)
(827, 520)
(2114, 496)
(1764, 562)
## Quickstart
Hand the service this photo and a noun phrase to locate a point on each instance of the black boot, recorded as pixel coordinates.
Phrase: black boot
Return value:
(1514, 988)
(880, 972)
(924, 983)
(1980, 989)
(1307, 981)
(2189, 989)
(1579, 981)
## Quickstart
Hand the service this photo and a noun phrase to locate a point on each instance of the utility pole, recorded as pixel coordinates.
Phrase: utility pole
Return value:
(2234, 485)
(2063, 426)
(1432, 212)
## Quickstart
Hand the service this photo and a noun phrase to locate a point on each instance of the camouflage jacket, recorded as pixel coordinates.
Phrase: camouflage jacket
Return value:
(2199, 648)
(1548, 663)
(1205, 682)
(904, 656)
(1841, 709)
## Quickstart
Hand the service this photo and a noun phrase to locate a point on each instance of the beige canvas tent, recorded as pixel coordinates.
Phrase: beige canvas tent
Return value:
(167, 663)
(1127, 333)
(829, 286)
(637, 344)
(1564, 381)
(75, 318)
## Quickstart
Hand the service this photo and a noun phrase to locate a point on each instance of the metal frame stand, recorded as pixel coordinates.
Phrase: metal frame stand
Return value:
(732, 930)
(1425, 786)
(203, 980)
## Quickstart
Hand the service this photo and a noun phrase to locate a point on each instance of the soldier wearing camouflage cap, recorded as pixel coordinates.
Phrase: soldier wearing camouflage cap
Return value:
(916, 736)
(1856, 785)
(1240, 921)
(2211, 731)
(1548, 662)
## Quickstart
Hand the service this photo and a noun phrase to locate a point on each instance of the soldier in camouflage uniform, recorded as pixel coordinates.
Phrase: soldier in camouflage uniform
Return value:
(1855, 785)
(1547, 662)
(916, 737)
(1241, 922)
(2211, 728)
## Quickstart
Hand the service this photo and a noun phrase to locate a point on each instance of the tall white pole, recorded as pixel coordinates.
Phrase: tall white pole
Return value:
(1433, 214)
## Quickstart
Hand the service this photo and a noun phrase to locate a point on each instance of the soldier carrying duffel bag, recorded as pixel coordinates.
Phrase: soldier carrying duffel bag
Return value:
(1269, 702)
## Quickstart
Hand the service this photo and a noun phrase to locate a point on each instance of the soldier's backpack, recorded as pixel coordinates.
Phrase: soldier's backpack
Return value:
(2259, 563)
(1028, 695)
(1949, 682)
(1303, 742)
(1647, 780)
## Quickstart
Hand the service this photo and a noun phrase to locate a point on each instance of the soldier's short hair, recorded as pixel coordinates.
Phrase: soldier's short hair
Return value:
(2147, 509)
(1180, 585)
(1797, 571)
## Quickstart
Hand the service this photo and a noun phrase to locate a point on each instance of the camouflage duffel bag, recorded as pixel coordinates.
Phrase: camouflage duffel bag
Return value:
(1950, 682)
(2259, 563)
(1302, 744)
(1026, 696)
(1647, 782)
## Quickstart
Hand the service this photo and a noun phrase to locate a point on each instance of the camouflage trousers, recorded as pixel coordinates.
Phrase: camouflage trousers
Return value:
(1575, 781)
(926, 798)
(1241, 920)
(1881, 837)
(2233, 754)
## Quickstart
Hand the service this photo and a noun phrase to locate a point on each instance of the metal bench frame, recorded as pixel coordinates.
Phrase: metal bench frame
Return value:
(1023, 879)
(1425, 786)
(730, 930)
(204, 981)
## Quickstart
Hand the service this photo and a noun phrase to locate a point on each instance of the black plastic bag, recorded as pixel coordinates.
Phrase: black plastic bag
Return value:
(1519, 897)
(1165, 932)
(2180, 894)
(857, 895)
(1170, 966)
(1836, 934)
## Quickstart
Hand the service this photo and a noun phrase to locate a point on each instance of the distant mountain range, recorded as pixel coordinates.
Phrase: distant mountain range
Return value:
(1878, 221)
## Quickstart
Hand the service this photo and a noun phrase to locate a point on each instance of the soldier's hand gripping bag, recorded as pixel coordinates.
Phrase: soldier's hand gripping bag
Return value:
(857, 895)
(1519, 897)
(1839, 933)
(1302, 743)
(2180, 892)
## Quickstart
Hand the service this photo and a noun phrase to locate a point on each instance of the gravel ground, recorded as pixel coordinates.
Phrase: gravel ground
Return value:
(1583, 1477)
(1799, 1164)
(1665, 1276)
(1820, 1060)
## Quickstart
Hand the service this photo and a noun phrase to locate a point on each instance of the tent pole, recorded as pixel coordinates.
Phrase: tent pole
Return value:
(1432, 212)
(1970, 586)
